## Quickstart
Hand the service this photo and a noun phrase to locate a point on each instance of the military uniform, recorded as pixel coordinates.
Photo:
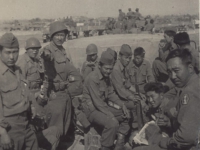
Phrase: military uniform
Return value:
(183, 119)
(88, 67)
(96, 93)
(121, 16)
(15, 102)
(144, 74)
(65, 82)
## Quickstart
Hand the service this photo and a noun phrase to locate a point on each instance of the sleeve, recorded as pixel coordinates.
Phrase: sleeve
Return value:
(21, 63)
(189, 123)
(3, 124)
(86, 71)
(112, 96)
(94, 93)
(75, 86)
(150, 77)
(117, 81)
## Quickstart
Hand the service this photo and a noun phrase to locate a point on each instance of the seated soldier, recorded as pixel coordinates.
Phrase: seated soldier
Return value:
(103, 107)
(123, 86)
(139, 70)
(91, 62)
(159, 67)
(149, 27)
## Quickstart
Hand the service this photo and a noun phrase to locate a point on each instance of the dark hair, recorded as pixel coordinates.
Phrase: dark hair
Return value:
(184, 55)
(170, 33)
(152, 21)
(182, 39)
(139, 51)
(156, 87)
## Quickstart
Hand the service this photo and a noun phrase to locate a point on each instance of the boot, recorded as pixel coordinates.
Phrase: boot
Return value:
(120, 142)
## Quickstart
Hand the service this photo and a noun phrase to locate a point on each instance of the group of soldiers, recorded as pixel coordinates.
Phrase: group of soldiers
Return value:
(128, 23)
(118, 93)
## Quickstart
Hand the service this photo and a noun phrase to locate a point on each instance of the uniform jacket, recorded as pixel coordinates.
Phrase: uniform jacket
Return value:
(120, 80)
(13, 93)
(60, 70)
(30, 71)
(97, 90)
(144, 74)
(185, 116)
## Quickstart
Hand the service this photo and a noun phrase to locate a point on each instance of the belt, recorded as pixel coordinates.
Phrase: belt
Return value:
(60, 85)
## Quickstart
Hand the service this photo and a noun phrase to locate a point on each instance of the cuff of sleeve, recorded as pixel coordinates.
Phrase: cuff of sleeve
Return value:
(4, 124)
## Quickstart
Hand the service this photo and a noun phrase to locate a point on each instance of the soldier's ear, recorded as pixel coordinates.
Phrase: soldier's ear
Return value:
(191, 68)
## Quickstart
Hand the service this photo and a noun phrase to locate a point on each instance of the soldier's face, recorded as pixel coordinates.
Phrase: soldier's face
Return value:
(32, 52)
(106, 70)
(138, 60)
(167, 38)
(9, 56)
(179, 72)
(125, 60)
(59, 38)
(154, 98)
(93, 57)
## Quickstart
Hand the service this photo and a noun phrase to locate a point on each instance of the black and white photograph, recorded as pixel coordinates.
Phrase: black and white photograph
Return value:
(99, 75)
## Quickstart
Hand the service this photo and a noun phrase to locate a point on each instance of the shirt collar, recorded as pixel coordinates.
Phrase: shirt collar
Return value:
(99, 74)
(4, 68)
(56, 47)
(119, 64)
(143, 63)
(28, 58)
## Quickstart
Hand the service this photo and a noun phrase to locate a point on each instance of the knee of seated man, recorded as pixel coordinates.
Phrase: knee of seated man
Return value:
(112, 123)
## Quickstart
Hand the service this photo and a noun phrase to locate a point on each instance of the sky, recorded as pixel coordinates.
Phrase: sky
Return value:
(28, 9)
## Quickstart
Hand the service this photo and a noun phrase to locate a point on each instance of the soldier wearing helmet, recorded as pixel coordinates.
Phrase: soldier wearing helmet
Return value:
(92, 60)
(64, 80)
(29, 64)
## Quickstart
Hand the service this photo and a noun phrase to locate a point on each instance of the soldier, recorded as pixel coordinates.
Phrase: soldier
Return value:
(141, 68)
(137, 15)
(159, 67)
(15, 103)
(92, 60)
(130, 13)
(118, 27)
(122, 85)
(149, 27)
(121, 15)
(183, 117)
(99, 100)
(183, 41)
(113, 53)
(31, 71)
(64, 81)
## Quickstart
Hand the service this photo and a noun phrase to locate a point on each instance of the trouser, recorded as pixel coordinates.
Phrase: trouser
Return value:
(159, 69)
(49, 138)
(111, 126)
(20, 132)
(59, 107)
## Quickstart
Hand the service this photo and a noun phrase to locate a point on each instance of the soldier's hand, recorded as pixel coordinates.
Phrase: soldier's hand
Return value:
(135, 100)
(46, 55)
(132, 89)
(163, 120)
(126, 112)
(6, 142)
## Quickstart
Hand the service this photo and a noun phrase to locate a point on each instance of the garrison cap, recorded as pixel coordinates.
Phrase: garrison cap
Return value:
(112, 52)
(8, 40)
(126, 50)
(182, 38)
(91, 49)
(107, 58)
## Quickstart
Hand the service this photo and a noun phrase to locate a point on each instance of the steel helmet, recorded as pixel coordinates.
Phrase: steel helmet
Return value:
(56, 27)
(32, 43)
(91, 49)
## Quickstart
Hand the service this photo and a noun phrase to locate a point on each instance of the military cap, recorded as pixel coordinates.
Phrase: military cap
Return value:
(8, 40)
(91, 49)
(181, 38)
(129, 9)
(120, 10)
(136, 9)
(32, 43)
(107, 58)
(112, 52)
(126, 50)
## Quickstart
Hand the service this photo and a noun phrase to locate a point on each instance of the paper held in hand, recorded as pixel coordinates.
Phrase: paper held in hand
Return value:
(146, 133)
